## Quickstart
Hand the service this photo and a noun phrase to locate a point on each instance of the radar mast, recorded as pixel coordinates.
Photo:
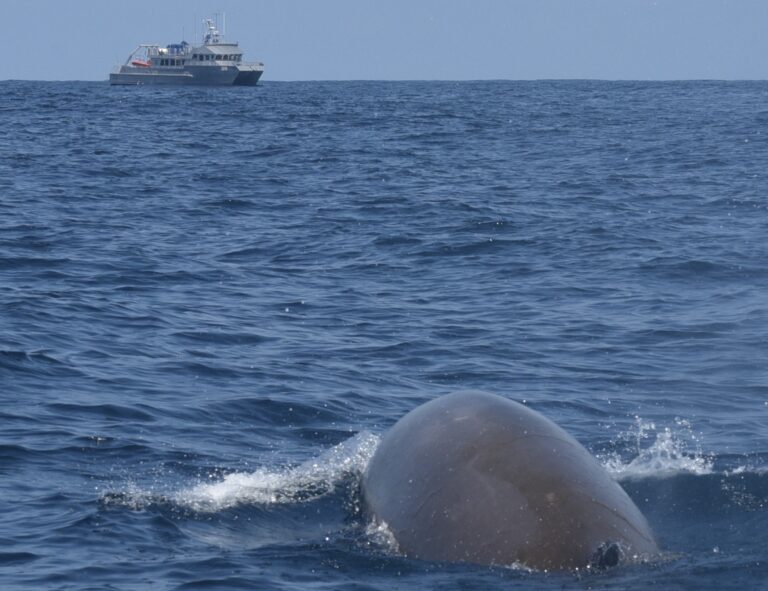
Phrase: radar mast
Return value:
(211, 35)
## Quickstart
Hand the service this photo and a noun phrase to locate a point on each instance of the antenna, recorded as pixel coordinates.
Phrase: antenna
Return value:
(224, 23)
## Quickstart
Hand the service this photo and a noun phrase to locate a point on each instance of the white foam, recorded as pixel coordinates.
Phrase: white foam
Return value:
(378, 534)
(670, 452)
(747, 469)
(312, 479)
(309, 480)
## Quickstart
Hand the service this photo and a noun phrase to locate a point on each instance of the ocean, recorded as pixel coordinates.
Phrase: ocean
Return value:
(214, 301)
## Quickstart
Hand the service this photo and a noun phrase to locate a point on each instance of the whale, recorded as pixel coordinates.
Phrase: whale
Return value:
(477, 478)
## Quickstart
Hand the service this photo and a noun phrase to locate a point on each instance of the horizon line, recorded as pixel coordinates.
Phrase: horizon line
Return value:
(442, 80)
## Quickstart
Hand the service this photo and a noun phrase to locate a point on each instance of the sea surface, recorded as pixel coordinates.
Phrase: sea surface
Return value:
(213, 303)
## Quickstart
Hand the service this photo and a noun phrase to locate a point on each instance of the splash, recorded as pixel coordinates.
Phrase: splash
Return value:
(310, 480)
(747, 468)
(379, 536)
(264, 487)
(660, 453)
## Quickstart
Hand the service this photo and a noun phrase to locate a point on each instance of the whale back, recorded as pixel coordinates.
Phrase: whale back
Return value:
(477, 478)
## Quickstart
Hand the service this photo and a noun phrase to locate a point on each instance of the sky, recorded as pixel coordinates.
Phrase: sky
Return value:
(404, 39)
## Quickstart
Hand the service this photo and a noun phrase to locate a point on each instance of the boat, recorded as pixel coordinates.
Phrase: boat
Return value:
(214, 62)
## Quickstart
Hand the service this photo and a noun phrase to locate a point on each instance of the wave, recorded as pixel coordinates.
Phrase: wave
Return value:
(40, 362)
(306, 482)
(15, 558)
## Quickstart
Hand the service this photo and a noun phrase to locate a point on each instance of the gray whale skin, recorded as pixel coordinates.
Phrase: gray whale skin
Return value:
(473, 477)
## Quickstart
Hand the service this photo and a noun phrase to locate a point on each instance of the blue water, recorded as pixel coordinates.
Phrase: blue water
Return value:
(214, 301)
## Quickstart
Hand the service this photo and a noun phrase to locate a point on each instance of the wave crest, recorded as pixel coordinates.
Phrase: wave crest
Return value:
(310, 480)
